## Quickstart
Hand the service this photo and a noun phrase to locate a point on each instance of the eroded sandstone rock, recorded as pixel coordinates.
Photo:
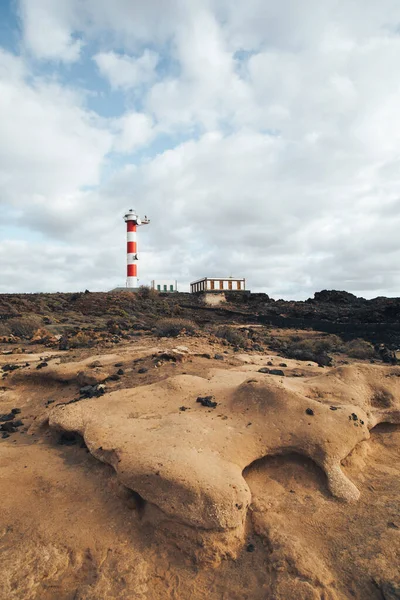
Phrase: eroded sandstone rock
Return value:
(190, 463)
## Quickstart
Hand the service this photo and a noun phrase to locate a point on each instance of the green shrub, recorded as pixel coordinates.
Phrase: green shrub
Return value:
(173, 327)
(359, 349)
(231, 335)
(5, 329)
(24, 327)
(310, 349)
(147, 293)
(80, 340)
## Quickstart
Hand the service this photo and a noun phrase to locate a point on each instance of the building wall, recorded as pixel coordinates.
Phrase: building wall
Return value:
(164, 285)
(215, 285)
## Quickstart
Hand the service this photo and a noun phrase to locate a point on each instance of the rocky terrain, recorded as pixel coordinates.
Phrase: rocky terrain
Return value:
(155, 447)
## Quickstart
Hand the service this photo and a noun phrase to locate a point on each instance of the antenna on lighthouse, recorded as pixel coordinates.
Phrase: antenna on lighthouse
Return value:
(132, 222)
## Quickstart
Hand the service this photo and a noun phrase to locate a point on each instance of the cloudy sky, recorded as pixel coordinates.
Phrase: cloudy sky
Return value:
(262, 138)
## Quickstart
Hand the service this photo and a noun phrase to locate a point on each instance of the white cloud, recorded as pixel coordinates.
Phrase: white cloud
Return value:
(125, 71)
(50, 146)
(48, 29)
(134, 130)
(289, 174)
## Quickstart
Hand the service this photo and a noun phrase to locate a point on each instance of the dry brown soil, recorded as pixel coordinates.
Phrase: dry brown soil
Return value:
(70, 530)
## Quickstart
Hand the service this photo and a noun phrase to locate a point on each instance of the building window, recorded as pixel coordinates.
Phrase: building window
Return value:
(171, 288)
(212, 285)
(165, 288)
(159, 288)
(239, 285)
(229, 285)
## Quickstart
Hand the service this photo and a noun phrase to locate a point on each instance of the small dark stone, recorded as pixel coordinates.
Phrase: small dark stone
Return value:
(205, 355)
(392, 525)
(9, 427)
(218, 357)
(333, 407)
(42, 365)
(276, 372)
(206, 401)
(270, 364)
(16, 411)
(143, 370)
(263, 370)
(7, 417)
(5, 435)
(250, 547)
(183, 408)
(118, 364)
(354, 417)
(283, 365)
(10, 367)
(87, 391)
(114, 377)
(120, 372)
(91, 391)
(309, 411)
(18, 423)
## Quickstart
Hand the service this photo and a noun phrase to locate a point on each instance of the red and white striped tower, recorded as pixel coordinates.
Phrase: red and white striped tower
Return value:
(132, 222)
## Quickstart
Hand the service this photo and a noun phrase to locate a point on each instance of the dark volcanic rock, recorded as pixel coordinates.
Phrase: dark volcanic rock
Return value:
(91, 391)
(387, 356)
(42, 365)
(206, 401)
(271, 371)
(336, 297)
(10, 367)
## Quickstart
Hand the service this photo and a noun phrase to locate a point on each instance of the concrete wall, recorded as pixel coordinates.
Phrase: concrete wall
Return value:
(162, 283)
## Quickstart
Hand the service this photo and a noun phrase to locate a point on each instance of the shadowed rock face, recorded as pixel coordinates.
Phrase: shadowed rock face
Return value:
(190, 463)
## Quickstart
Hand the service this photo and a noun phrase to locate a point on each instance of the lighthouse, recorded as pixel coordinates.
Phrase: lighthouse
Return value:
(132, 223)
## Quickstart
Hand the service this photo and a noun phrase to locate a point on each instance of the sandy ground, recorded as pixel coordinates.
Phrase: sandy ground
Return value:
(70, 530)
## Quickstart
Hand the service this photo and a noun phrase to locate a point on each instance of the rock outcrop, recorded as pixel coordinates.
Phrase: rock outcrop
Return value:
(190, 463)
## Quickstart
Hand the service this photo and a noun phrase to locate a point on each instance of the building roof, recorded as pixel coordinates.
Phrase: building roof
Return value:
(218, 279)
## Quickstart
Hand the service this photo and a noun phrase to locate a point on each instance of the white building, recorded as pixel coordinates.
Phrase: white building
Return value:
(164, 285)
(218, 284)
